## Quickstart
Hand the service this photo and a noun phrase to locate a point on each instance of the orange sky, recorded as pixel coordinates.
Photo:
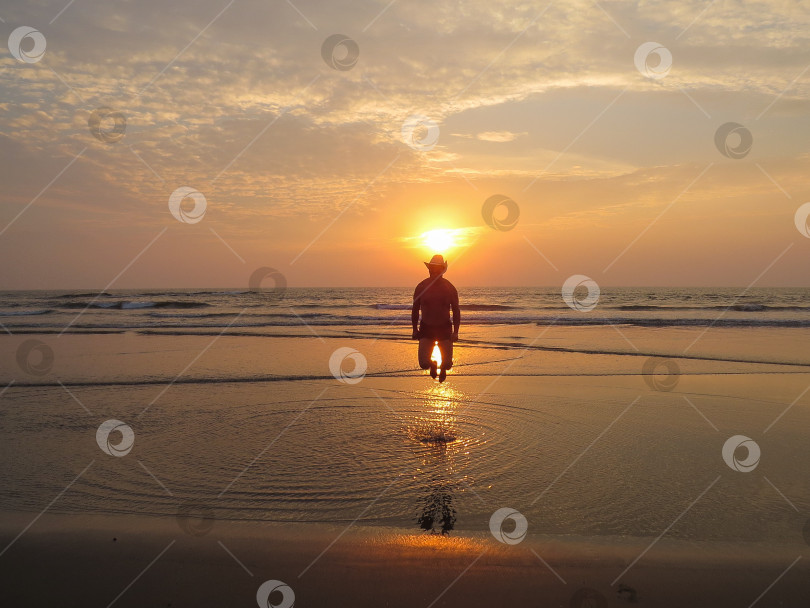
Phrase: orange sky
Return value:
(612, 164)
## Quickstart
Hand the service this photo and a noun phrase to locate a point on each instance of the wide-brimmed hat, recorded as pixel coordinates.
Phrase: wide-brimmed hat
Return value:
(437, 262)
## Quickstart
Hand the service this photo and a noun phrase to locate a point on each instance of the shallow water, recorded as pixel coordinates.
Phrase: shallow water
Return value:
(579, 443)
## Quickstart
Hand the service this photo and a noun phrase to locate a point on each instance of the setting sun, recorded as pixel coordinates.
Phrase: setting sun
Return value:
(440, 240)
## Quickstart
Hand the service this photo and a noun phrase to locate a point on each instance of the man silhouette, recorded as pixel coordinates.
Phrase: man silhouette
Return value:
(435, 297)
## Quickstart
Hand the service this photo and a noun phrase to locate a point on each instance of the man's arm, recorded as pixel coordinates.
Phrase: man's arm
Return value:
(456, 313)
(415, 314)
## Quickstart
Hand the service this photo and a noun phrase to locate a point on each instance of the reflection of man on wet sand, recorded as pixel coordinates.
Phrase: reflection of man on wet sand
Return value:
(435, 297)
(438, 510)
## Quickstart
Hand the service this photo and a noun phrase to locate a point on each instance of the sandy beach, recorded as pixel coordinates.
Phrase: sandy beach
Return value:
(75, 561)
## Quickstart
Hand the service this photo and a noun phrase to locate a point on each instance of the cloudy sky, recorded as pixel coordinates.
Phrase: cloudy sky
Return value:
(328, 156)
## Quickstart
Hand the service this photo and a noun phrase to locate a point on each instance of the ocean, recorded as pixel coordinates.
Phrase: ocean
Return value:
(206, 309)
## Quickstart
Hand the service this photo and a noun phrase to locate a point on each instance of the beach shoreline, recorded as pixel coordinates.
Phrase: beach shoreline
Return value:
(136, 560)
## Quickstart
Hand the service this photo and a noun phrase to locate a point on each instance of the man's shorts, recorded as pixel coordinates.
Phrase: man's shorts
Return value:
(436, 332)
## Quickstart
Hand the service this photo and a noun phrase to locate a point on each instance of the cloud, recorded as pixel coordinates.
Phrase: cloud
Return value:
(499, 136)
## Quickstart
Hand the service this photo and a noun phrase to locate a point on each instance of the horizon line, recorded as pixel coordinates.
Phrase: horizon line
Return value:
(245, 289)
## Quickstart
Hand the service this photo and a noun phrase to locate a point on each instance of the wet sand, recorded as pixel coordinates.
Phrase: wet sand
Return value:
(75, 561)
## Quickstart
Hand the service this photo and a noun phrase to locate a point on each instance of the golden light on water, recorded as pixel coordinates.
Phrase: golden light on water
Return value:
(443, 399)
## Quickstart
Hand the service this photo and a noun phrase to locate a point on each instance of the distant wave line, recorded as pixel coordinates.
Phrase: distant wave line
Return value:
(413, 373)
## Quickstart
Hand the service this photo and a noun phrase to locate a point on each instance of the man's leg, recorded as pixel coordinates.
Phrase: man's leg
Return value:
(425, 350)
(446, 349)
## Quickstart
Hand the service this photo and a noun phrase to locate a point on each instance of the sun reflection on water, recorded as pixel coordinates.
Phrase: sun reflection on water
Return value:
(442, 451)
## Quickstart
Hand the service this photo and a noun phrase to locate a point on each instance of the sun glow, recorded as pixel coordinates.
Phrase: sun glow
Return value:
(439, 240)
